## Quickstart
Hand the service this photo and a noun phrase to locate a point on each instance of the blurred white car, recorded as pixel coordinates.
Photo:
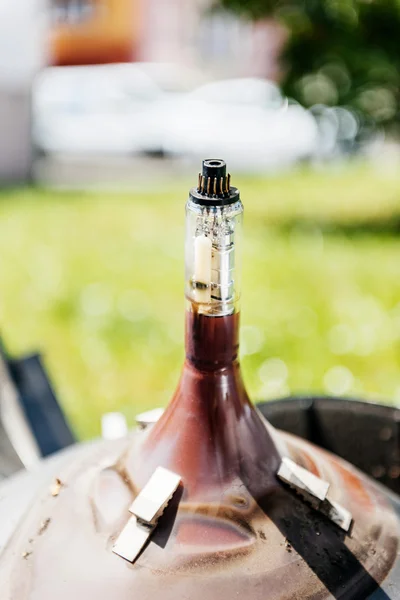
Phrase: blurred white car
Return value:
(245, 121)
(147, 107)
(103, 109)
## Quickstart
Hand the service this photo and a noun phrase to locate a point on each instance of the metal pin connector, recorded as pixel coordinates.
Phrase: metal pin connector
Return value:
(132, 539)
(149, 505)
(315, 491)
(308, 485)
(146, 509)
(148, 418)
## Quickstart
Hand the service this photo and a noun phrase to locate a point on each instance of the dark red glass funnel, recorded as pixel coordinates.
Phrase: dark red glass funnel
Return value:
(211, 434)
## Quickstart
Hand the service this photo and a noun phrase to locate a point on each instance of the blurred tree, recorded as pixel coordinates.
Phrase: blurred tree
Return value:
(339, 52)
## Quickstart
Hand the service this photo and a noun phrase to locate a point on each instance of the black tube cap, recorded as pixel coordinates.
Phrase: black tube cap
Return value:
(214, 187)
(214, 168)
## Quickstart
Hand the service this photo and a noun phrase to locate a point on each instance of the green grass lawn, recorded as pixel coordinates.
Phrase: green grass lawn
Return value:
(95, 282)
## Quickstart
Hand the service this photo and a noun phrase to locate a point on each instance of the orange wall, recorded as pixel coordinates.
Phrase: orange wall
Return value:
(110, 35)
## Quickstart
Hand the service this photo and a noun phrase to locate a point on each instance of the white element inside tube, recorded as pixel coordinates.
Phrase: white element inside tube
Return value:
(202, 269)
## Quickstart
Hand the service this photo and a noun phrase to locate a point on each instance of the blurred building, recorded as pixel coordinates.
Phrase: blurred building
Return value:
(179, 31)
(23, 51)
(189, 31)
(94, 31)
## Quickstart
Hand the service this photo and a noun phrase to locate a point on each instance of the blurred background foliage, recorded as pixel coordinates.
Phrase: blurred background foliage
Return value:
(95, 281)
(339, 52)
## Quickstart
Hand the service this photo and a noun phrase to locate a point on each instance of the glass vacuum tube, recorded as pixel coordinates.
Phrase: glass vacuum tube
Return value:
(213, 232)
(211, 433)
